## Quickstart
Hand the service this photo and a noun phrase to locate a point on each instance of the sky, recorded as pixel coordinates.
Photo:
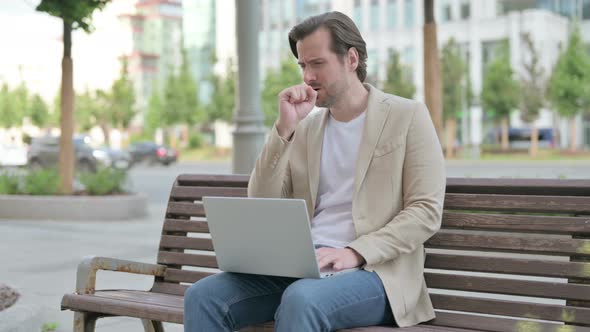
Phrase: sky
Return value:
(32, 49)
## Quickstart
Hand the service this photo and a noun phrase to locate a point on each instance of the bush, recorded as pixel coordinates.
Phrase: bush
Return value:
(105, 181)
(195, 141)
(9, 184)
(41, 182)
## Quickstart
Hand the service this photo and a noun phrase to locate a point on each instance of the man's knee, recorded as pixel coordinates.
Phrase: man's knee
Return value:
(300, 301)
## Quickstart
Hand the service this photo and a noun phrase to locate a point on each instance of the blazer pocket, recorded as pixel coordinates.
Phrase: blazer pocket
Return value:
(388, 147)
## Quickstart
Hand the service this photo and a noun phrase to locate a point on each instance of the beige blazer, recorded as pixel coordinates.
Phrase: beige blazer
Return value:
(399, 191)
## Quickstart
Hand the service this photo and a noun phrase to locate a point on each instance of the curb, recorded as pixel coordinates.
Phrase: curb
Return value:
(22, 317)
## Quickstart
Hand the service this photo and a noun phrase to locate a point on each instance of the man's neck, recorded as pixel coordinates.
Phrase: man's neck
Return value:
(352, 104)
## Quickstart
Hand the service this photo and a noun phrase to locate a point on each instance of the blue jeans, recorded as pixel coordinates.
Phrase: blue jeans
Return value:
(231, 301)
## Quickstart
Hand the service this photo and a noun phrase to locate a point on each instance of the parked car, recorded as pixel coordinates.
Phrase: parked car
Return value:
(520, 138)
(13, 155)
(44, 152)
(152, 153)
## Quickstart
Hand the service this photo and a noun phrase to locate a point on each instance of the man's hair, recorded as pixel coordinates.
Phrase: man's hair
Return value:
(344, 34)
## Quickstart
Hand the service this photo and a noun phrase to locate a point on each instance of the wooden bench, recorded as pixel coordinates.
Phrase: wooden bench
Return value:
(512, 255)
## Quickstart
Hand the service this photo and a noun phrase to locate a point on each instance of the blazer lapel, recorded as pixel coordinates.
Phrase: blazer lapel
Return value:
(377, 113)
(315, 139)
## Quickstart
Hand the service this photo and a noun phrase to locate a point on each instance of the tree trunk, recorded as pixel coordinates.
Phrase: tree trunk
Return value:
(451, 128)
(573, 135)
(432, 76)
(534, 148)
(504, 126)
(106, 133)
(66, 151)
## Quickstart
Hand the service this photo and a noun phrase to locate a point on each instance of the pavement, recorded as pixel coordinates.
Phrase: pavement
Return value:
(39, 257)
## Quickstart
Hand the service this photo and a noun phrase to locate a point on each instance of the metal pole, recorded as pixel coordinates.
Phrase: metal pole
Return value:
(249, 134)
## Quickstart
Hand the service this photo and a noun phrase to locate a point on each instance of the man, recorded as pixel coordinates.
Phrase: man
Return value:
(371, 170)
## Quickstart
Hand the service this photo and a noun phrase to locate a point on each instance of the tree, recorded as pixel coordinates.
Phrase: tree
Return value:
(9, 112)
(569, 85)
(432, 74)
(122, 99)
(222, 104)
(454, 90)
(75, 14)
(94, 111)
(153, 117)
(532, 95)
(288, 74)
(500, 91)
(398, 80)
(38, 111)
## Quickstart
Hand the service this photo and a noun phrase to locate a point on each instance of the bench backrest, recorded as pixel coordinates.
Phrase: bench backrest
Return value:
(515, 249)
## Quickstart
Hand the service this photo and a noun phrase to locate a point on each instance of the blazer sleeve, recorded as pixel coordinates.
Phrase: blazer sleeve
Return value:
(271, 176)
(423, 186)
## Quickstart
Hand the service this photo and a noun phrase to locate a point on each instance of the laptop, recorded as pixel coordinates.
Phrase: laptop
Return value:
(269, 236)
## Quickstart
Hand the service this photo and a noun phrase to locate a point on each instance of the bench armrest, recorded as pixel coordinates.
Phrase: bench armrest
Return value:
(86, 274)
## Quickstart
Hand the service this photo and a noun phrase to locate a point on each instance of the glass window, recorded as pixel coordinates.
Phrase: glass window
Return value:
(409, 13)
(586, 10)
(374, 15)
(445, 11)
(357, 14)
(465, 10)
(391, 14)
(372, 62)
(408, 56)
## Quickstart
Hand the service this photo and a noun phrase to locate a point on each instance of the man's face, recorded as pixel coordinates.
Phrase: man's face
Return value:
(323, 70)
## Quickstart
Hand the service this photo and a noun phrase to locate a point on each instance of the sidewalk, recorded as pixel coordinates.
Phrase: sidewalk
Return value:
(39, 258)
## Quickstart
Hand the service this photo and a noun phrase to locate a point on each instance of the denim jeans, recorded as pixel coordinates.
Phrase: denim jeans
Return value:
(231, 301)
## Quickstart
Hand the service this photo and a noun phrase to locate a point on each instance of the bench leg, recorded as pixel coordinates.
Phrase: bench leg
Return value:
(84, 322)
(152, 325)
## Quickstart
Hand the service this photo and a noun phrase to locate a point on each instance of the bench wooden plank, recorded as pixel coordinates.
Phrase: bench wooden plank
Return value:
(516, 223)
(178, 258)
(186, 209)
(197, 193)
(518, 203)
(169, 288)
(551, 187)
(199, 225)
(178, 275)
(509, 286)
(508, 243)
(557, 313)
(183, 242)
(518, 266)
(213, 180)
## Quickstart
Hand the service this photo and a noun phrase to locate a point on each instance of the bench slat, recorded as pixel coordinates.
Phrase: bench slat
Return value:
(516, 223)
(183, 242)
(177, 275)
(557, 313)
(518, 266)
(197, 193)
(499, 324)
(169, 288)
(213, 180)
(552, 187)
(178, 258)
(186, 209)
(507, 243)
(183, 225)
(518, 203)
(540, 289)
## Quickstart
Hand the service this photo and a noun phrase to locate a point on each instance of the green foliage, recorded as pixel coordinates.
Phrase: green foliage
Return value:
(78, 13)
(181, 97)
(454, 71)
(105, 181)
(92, 109)
(222, 104)
(154, 114)
(41, 182)
(9, 184)
(38, 111)
(10, 114)
(500, 92)
(276, 80)
(195, 141)
(398, 81)
(49, 327)
(122, 99)
(532, 84)
(569, 85)
(141, 137)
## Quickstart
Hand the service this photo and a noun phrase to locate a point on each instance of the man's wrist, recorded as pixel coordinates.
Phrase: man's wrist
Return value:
(285, 133)
(358, 256)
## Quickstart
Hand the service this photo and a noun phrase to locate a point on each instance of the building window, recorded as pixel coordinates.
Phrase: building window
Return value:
(372, 63)
(409, 13)
(374, 15)
(408, 56)
(465, 10)
(445, 11)
(586, 10)
(357, 14)
(392, 14)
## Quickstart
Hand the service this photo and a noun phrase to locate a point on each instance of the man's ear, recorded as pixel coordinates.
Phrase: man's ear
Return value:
(353, 58)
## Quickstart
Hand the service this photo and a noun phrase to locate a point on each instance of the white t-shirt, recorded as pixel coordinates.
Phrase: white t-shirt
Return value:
(332, 224)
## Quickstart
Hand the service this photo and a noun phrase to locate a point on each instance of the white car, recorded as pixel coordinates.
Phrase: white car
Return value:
(13, 155)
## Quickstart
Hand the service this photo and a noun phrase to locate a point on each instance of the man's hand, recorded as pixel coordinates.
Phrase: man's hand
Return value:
(295, 103)
(338, 259)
